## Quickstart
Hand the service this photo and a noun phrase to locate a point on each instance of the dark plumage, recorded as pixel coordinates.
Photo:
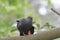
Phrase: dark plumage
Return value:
(24, 26)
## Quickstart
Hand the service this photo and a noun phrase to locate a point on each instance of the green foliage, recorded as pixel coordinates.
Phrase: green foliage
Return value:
(48, 26)
(50, 4)
(12, 2)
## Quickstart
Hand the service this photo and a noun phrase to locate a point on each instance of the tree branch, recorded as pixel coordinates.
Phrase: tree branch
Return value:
(55, 11)
(45, 35)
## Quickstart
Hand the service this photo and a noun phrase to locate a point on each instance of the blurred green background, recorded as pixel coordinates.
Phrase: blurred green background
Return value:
(12, 10)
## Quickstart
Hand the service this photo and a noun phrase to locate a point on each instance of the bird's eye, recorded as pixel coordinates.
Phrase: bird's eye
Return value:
(17, 21)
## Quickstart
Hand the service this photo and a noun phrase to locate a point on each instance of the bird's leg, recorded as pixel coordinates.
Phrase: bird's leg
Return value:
(29, 33)
(22, 35)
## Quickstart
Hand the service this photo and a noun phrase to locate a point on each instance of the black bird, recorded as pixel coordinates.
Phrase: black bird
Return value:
(25, 26)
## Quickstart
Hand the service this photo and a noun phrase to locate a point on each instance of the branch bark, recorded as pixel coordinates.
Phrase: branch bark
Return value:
(45, 35)
(55, 11)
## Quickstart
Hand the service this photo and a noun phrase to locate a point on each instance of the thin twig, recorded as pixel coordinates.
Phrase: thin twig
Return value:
(55, 11)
